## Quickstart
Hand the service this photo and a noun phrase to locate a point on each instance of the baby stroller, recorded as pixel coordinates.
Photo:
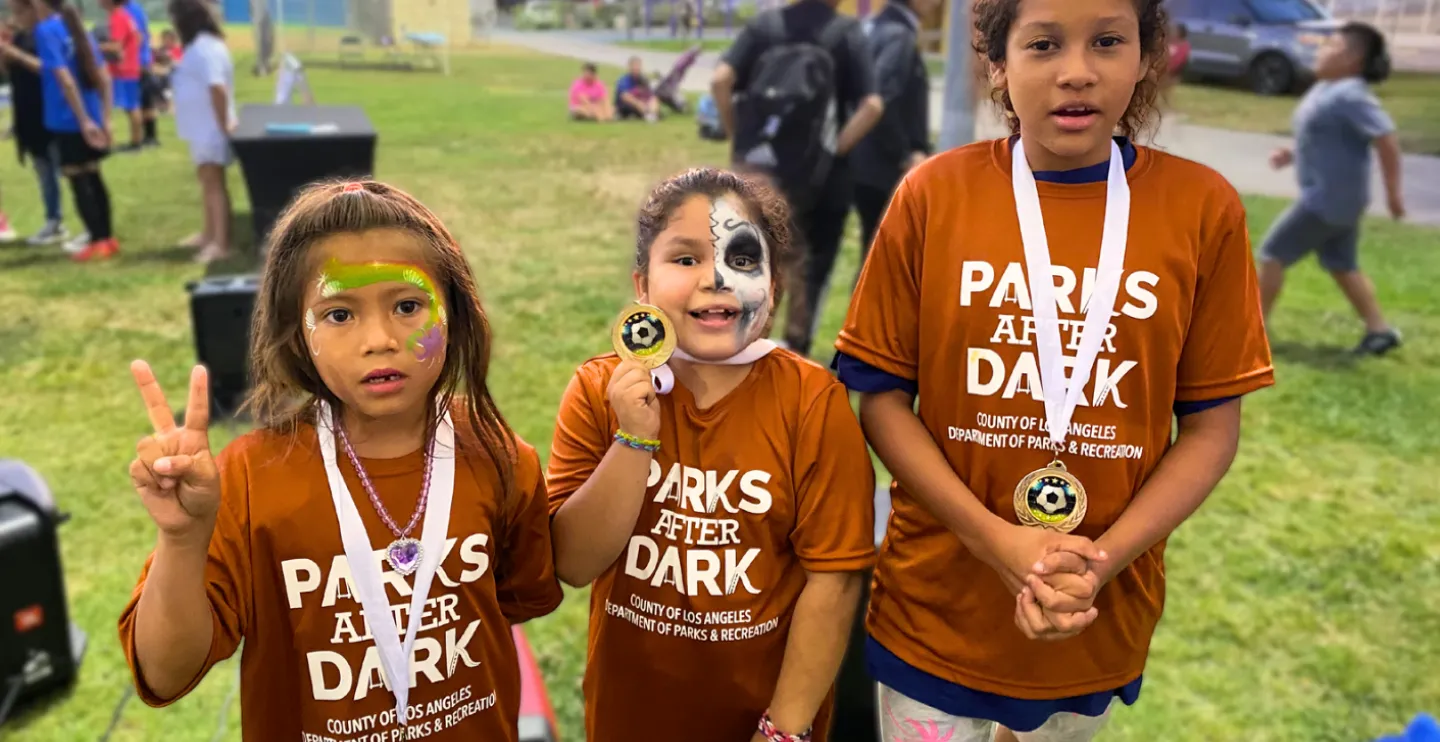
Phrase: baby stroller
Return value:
(668, 89)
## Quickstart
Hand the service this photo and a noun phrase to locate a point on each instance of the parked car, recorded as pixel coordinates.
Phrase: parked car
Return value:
(539, 14)
(1270, 45)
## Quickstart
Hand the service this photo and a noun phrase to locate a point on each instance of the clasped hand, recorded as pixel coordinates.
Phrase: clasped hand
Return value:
(1055, 578)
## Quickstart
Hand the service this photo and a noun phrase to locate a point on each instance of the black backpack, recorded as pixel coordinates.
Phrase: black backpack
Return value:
(786, 119)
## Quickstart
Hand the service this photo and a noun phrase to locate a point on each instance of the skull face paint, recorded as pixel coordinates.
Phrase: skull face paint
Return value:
(427, 342)
(742, 266)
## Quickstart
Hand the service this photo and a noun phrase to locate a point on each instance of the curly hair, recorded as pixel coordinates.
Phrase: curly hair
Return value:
(761, 201)
(287, 388)
(993, 19)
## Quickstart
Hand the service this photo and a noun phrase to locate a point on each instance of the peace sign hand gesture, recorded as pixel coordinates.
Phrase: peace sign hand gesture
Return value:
(173, 470)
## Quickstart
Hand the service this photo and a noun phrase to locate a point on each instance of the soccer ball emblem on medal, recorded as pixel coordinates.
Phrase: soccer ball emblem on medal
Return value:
(643, 333)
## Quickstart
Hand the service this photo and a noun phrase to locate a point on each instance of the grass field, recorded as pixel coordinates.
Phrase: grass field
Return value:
(1304, 598)
(1412, 99)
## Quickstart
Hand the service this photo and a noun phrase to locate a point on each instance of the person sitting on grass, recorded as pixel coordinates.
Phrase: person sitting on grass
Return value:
(1179, 53)
(1335, 126)
(588, 98)
(634, 97)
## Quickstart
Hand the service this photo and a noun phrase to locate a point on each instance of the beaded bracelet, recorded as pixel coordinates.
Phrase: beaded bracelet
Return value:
(772, 734)
(642, 444)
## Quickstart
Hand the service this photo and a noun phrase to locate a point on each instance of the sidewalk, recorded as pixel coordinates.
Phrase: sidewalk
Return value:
(1242, 157)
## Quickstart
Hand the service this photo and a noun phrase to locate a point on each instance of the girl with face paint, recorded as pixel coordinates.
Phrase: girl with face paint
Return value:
(724, 526)
(381, 460)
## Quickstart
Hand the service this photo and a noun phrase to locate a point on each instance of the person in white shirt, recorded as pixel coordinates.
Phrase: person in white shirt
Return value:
(203, 89)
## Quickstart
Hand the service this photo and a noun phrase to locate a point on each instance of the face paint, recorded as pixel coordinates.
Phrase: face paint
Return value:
(428, 341)
(310, 326)
(742, 265)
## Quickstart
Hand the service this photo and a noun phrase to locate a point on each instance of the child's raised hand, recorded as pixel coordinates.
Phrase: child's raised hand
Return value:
(633, 398)
(173, 471)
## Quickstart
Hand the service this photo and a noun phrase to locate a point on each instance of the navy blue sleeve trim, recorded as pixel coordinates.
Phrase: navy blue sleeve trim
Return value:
(859, 376)
(1189, 408)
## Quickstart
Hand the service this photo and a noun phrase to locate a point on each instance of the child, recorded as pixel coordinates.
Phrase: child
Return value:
(995, 322)
(171, 47)
(1179, 54)
(1335, 126)
(206, 75)
(724, 525)
(367, 327)
(32, 140)
(123, 51)
(634, 97)
(588, 99)
(71, 69)
(148, 101)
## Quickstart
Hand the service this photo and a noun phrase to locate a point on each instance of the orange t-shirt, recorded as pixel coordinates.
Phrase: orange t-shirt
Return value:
(278, 578)
(688, 628)
(944, 302)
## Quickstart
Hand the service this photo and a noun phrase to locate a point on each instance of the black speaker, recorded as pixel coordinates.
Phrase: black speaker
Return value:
(220, 311)
(40, 650)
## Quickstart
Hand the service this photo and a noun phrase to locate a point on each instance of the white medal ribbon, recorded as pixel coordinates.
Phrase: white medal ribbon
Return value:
(1060, 399)
(365, 560)
(664, 377)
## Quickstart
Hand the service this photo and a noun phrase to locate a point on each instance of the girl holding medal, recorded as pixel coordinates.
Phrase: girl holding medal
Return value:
(373, 541)
(1021, 577)
(714, 488)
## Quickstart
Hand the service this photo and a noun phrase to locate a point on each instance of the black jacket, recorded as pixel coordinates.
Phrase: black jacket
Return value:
(904, 83)
(27, 101)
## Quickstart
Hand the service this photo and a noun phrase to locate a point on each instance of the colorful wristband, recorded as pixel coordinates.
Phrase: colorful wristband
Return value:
(642, 444)
(769, 732)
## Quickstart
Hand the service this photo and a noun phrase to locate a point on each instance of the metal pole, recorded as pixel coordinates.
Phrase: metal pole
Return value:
(1425, 20)
(957, 125)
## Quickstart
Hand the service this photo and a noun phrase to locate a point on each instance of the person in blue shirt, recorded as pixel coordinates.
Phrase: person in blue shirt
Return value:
(1336, 124)
(634, 99)
(150, 88)
(76, 92)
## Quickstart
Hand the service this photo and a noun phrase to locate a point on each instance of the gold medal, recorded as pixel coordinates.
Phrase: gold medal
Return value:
(644, 334)
(1050, 498)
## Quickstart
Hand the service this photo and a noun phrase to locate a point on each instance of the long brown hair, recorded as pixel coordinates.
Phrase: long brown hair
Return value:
(192, 18)
(286, 387)
(993, 19)
(84, 53)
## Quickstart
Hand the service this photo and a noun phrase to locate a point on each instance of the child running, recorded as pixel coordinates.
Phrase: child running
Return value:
(724, 525)
(374, 540)
(1055, 300)
(1336, 125)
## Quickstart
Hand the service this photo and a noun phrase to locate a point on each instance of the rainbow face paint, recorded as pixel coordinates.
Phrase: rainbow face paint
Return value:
(428, 341)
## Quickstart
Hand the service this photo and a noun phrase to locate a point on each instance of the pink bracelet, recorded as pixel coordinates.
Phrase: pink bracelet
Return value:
(772, 734)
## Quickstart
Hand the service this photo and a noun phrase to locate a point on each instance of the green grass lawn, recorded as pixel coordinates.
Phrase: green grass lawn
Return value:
(1412, 99)
(1304, 599)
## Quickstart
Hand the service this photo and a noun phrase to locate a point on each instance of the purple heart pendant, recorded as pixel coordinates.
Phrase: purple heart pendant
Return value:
(404, 555)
